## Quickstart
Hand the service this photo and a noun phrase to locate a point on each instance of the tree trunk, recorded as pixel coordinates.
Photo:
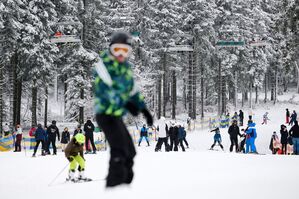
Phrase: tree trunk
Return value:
(219, 88)
(19, 100)
(236, 90)
(14, 62)
(194, 84)
(275, 84)
(223, 96)
(34, 104)
(202, 90)
(256, 95)
(297, 67)
(46, 107)
(164, 86)
(173, 94)
(65, 96)
(184, 94)
(81, 108)
(190, 83)
(1, 98)
(266, 90)
(250, 93)
(159, 90)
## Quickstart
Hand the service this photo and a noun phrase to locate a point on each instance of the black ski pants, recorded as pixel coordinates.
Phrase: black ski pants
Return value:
(284, 148)
(52, 140)
(37, 144)
(233, 141)
(184, 139)
(174, 144)
(160, 143)
(122, 149)
(89, 137)
(181, 144)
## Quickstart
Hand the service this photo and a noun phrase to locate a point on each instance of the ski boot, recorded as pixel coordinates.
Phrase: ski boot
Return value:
(82, 177)
(71, 177)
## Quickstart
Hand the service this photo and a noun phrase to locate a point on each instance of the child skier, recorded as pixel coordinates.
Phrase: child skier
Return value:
(143, 134)
(217, 138)
(74, 154)
(265, 118)
(241, 147)
(116, 94)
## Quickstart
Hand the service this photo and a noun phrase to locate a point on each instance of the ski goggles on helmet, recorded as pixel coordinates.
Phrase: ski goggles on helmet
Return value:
(120, 50)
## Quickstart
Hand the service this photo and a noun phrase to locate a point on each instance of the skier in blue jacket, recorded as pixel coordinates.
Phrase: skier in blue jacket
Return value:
(40, 137)
(143, 134)
(250, 138)
(217, 138)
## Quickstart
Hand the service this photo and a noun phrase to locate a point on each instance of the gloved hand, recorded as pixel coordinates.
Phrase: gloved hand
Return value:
(132, 108)
(148, 116)
(70, 159)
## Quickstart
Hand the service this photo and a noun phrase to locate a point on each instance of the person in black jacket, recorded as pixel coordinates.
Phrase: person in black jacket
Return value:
(284, 138)
(52, 132)
(173, 135)
(65, 138)
(89, 129)
(287, 116)
(233, 132)
(294, 133)
(78, 130)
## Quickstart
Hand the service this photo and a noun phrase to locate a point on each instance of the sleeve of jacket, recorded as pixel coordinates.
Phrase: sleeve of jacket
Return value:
(85, 127)
(239, 132)
(104, 91)
(81, 153)
(67, 150)
(58, 134)
(92, 127)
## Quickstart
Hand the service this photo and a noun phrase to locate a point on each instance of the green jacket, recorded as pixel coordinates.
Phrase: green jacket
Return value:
(114, 87)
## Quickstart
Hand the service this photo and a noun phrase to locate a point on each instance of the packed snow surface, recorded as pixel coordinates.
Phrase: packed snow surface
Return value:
(197, 173)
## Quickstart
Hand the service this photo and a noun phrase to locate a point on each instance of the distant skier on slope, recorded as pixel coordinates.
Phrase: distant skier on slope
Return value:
(173, 135)
(52, 132)
(241, 117)
(181, 136)
(143, 134)
(115, 94)
(217, 138)
(288, 115)
(250, 138)
(234, 132)
(293, 118)
(265, 118)
(162, 134)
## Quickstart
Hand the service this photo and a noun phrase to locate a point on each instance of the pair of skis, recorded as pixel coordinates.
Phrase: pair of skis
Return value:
(78, 180)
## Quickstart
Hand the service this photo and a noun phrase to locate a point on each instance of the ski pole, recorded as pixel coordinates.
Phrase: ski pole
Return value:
(51, 183)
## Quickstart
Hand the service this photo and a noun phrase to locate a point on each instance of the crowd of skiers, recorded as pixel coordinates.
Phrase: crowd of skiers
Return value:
(47, 137)
(247, 137)
(174, 132)
(289, 140)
